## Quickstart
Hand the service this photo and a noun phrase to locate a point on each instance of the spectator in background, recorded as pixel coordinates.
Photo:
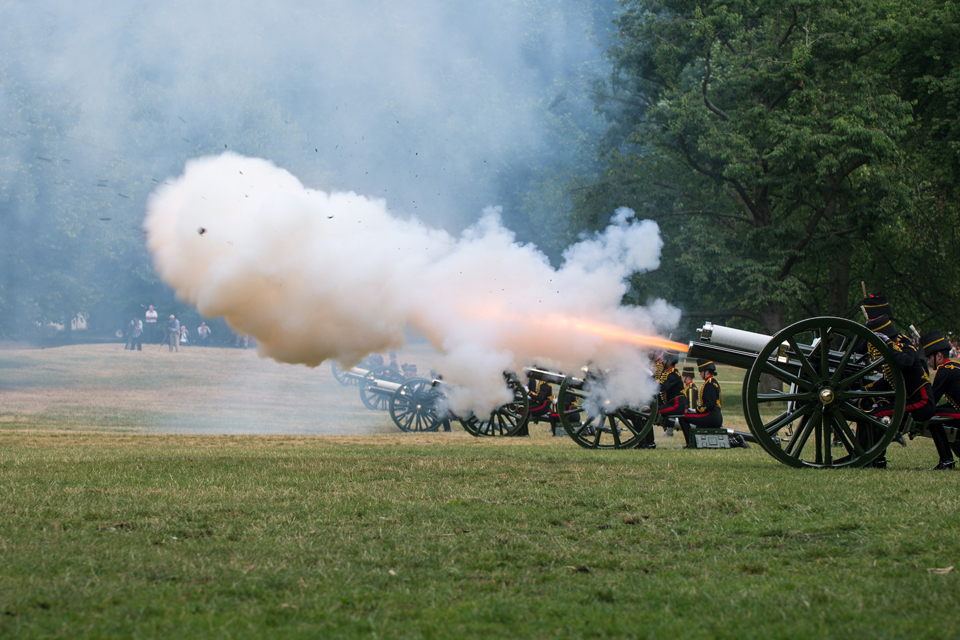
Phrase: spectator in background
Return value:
(136, 338)
(173, 334)
(203, 335)
(129, 333)
(184, 335)
(150, 325)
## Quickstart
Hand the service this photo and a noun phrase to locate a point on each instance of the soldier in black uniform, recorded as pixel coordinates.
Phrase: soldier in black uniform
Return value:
(876, 305)
(906, 358)
(707, 414)
(671, 399)
(541, 402)
(946, 386)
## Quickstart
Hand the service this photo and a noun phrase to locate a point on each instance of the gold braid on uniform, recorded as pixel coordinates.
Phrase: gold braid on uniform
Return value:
(875, 355)
(950, 365)
(658, 367)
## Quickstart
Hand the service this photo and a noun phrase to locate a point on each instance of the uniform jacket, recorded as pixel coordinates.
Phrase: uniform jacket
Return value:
(671, 391)
(711, 398)
(946, 384)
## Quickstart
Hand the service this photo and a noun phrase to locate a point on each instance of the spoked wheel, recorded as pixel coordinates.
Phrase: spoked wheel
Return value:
(828, 398)
(373, 396)
(340, 375)
(621, 428)
(506, 419)
(413, 406)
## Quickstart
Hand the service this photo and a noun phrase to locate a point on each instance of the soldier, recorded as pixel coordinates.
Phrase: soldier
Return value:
(656, 361)
(394, 365)
(690, 390)
(906, 358)
(876, 305)
(541, 402)
(671, 398)
(946, 385)
(707, 413)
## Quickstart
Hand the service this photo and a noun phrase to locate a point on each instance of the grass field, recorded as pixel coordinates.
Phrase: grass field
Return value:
(122, 518)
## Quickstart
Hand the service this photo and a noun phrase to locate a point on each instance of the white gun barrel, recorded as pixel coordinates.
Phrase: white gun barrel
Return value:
(734, 338)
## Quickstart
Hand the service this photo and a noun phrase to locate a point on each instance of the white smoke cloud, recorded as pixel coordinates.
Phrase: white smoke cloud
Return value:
(316, 276)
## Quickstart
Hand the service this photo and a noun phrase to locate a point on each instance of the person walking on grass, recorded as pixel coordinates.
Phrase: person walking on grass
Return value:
(203, 334)
(136, 334)
(173, 334)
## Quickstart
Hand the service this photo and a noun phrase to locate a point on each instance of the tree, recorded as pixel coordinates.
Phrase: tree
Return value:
(765, 137)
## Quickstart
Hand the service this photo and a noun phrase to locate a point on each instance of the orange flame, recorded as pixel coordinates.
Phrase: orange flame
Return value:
(602, 330)
(619, 334)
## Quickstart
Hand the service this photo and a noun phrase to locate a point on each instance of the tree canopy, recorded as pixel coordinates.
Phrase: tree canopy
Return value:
(786, 149)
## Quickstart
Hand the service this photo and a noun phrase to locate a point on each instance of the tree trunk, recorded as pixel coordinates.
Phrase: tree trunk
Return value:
(838, 292)
(771, 318)
(771, 321)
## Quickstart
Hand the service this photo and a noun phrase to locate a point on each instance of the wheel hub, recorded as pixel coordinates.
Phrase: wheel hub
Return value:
(827, 396)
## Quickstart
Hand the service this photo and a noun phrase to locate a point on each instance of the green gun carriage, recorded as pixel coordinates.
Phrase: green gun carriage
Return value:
(822, 367)
(804, 392)
(592, 421)
(415, 403)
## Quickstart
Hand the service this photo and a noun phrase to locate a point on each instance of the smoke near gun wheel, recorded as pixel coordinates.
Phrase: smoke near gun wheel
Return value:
(317, 275)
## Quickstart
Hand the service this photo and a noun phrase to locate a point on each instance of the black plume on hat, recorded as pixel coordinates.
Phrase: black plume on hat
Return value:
(883, 325)
(876, 306)
(706, 365)
(933, 342)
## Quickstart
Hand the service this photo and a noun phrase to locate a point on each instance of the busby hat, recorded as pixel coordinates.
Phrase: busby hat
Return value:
(884, 325)
(671, 356)
(932, 342)
(876, 305)
(688, 370)
(706, 365)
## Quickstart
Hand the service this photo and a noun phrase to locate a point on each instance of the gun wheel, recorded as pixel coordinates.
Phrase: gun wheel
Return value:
(506, 419)
(413, 406)
(620, 428)
(373, 398)
(818, 360)
(340, 375)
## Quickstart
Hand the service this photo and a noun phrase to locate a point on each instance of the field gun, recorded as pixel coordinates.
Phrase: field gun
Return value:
(590, 420)
(825, 364)
(416, 406)
(377, 386)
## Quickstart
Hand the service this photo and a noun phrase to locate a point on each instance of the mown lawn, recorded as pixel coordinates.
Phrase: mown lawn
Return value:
(442, 535)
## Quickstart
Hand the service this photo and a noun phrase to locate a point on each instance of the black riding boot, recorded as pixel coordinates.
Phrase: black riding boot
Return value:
(943, 447)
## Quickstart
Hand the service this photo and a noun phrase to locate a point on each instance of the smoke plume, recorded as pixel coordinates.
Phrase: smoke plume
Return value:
(316, 276)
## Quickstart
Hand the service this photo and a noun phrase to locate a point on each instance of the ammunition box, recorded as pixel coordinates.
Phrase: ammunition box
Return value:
(710, 438)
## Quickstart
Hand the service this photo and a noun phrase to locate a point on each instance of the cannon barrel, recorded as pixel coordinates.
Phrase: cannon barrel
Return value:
(740, 349)
(553, 378)
(383, 387)
(735, 338)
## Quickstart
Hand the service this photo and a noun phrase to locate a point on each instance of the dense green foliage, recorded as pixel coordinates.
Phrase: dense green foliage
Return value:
(790, 150)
